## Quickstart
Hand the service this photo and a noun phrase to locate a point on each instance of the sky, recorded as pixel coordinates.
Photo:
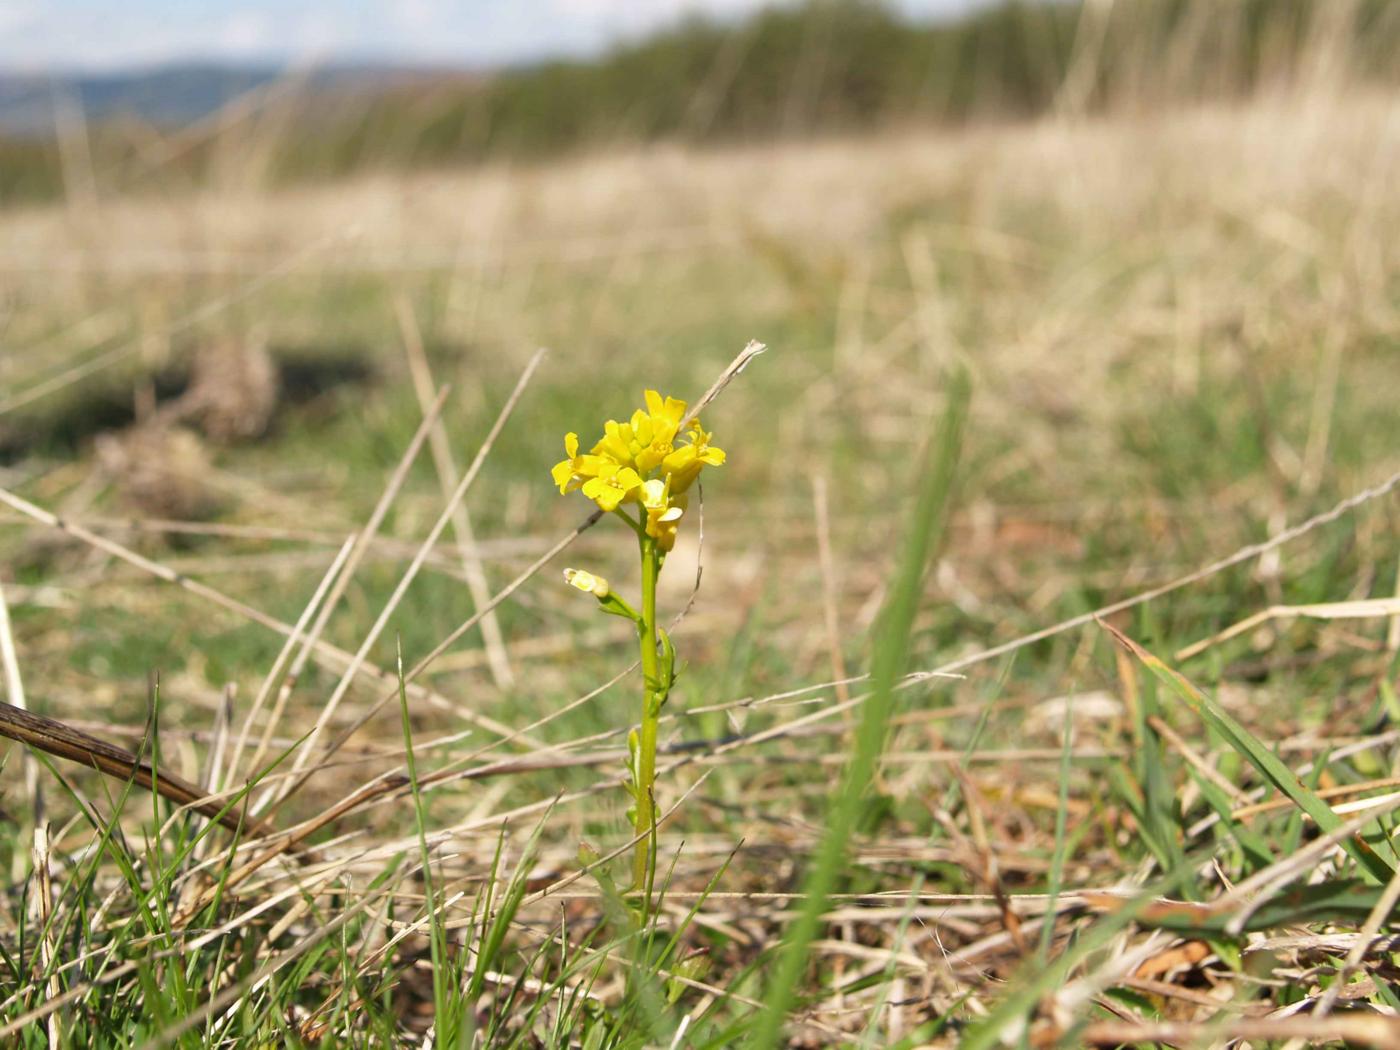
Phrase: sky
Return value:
(99, 35)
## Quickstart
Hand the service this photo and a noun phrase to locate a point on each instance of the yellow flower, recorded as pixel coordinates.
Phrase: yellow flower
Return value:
(602, 478)
(614, 471)
(683, 465)
(612, 484)
(663, 419)
(616, 443)
(645, 439)
(663, 512)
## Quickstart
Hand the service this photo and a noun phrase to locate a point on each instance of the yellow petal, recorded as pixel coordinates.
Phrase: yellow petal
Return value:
(613, 443)
(682, 478)
(571, 444)
(563, 473)
(591, 466)
(653, 400)
(679, 459)
(600, 492)
(654, 494)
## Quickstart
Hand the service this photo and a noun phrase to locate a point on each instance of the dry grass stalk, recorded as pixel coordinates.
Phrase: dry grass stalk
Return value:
(830, 597)
(56, 738)
(187, 322)
(1365, 609)
(14, 690)
(463, 532)
(43, 914)
(1358, 1027)
(304, 754)
(274, 674)
(332, 656)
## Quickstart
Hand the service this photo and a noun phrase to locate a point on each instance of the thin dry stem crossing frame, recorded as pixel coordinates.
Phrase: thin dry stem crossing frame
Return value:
(419, 370)
(330, 655)
(411, 573)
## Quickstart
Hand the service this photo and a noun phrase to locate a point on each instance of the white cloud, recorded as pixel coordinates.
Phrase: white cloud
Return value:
(320, 30)
(632, 15)
(247, 33)
(418, 15)
(18, 14)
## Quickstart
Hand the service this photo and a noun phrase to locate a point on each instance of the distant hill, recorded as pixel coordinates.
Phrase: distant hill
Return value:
(855, 66)
(177, 95)
(819, 67)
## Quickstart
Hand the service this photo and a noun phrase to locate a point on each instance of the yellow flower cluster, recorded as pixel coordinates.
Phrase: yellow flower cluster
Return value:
(640, 462)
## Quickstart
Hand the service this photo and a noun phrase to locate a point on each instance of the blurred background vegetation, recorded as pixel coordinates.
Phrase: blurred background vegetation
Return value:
(821, 67)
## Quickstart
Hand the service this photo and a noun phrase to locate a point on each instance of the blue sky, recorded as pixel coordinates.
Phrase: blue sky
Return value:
(116, 34)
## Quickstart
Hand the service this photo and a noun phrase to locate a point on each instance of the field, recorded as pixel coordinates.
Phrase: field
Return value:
(1181, 333)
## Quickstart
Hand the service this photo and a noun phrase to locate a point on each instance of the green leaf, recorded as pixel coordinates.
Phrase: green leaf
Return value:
(1372, 864)
(1257, 849)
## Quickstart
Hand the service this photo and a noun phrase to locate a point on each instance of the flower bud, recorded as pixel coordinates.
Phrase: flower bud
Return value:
(587, 582)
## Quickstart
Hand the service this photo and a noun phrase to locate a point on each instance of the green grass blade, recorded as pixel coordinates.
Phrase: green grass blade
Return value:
(1341, 901)
(1265, 761)
(891, 654)
(1258, 851)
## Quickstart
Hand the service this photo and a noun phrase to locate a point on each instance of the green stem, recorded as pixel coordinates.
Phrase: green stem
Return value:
(653, 695)
(632, 523)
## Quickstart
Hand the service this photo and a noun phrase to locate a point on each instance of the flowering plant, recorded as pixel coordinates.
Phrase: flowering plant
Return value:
(641, 471)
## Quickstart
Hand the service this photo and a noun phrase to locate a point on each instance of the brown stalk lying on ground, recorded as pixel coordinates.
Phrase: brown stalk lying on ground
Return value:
(56, 738)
